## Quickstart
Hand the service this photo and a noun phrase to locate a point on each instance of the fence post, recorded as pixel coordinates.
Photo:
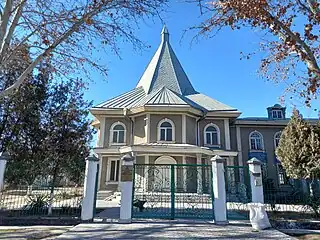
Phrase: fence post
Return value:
(219, 190)
(4, 157)
(126, 188)
(256, 180)
(89, 188)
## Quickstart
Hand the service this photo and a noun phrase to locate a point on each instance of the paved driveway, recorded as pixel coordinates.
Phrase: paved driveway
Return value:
(169, 230)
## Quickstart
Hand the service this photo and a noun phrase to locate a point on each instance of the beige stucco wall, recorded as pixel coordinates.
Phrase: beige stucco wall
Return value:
(220, 123)
(109, 122)
(155, 119)
(140, 159)
(191, 130)
(268, 140)
(233, 138)
(139, 134)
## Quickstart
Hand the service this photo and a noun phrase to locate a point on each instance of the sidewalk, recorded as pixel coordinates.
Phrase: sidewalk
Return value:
(169, 230)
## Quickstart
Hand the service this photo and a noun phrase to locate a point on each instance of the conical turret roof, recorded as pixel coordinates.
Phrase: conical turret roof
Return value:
(165, 70)
(165, 83)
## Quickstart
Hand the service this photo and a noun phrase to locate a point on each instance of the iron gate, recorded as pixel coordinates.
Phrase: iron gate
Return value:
(172, 191)
(238, 192)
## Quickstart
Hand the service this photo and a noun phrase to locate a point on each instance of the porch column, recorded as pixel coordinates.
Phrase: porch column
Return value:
(219, 190)
(126, 188)
(4, 157)
(89, 190)
(100, 171)
(256, 180)
(199, 175)
(146, 173)
(184, 161)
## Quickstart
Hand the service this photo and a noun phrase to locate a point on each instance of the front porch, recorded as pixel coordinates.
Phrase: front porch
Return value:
(158, 153)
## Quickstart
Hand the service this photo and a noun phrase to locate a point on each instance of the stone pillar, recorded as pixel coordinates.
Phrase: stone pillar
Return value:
(199, 175)
(89, 190)
(126, 188)
(256, 180)
(219, 190)
(4, 157)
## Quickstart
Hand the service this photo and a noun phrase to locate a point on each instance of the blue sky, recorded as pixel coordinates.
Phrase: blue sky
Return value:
(213, 65)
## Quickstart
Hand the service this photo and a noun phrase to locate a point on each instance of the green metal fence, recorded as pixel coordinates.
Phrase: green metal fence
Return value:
(289, 195)
(172, 191)
(238, 191)
(37, 201)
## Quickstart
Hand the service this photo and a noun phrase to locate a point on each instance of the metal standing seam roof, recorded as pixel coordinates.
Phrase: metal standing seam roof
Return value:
(164, 82)
(124, 100)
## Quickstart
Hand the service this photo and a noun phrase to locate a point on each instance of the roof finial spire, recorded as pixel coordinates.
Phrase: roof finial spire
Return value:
(165, 34)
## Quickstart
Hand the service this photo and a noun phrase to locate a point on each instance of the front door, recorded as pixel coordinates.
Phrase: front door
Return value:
(162, 174)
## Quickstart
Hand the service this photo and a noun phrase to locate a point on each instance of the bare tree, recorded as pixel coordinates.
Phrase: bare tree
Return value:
(68, 32)
(289, 36)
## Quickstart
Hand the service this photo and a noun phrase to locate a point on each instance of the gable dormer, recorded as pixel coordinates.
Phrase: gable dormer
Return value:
(276, 112)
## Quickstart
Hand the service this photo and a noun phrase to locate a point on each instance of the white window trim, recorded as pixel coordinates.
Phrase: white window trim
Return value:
(108, 181)
(111, 134)
(277, 110)
(274, 139)
(205, 135)
(173, 130)
(262, 142)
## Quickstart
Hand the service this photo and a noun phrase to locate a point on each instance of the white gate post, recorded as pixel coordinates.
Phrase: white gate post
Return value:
(126, 188)
(219, 190)
(256, 180)
(4, 157)
(89, 188)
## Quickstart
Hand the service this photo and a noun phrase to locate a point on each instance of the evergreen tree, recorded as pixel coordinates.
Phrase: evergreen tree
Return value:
(294, 150)
(299, 148)
(25, 148)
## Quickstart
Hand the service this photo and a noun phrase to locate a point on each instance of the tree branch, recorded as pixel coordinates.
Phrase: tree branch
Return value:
(12, 27)
(5, 19)
(63, 37)
(310, 60)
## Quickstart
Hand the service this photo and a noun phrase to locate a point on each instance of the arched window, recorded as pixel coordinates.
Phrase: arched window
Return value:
(117, 133)
(277, 136)
(211, 135)
(256, 141)
(166, 131)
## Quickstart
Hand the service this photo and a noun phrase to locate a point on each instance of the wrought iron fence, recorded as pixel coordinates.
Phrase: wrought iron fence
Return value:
(238, 191)
(282, 194)
(172, 191)
(22, 200)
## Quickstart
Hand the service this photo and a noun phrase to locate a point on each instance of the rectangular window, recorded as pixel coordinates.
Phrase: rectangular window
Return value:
(121, 137)
(277, 114)
(169, 134)
(274, 114)
(214, 139)
(112, 171)
(280, 114)
(208, 136)
(115, 137)
(258, 144)
(162, 134)
(253, 145)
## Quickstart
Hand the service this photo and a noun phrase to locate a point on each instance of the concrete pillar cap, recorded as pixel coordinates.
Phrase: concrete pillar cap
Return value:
(254, 161)
(92, 158)
(218, 159)
(128, 157)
